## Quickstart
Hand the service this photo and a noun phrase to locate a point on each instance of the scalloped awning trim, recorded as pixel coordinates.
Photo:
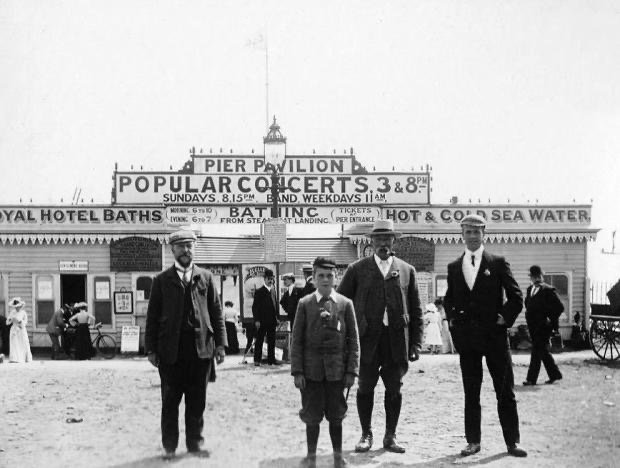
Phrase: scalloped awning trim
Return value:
(517, 237)
(74, 238)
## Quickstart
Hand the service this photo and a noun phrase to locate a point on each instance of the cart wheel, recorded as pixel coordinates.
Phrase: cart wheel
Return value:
(605, 339)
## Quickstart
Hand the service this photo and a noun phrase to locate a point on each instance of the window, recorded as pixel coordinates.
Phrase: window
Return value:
(143, 288)
(561, 283)
(44, 299)
(103, 300)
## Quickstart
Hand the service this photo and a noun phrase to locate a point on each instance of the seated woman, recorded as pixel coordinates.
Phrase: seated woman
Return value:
(83, 346)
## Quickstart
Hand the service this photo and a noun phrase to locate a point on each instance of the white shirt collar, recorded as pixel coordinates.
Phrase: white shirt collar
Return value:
(389, 260)
(476, 253)
(319, 296)
(180, 267)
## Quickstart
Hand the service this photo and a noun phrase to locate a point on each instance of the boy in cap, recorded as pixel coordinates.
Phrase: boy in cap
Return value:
(185, 335)
(324, 358)
(542, 311)
(479, 319)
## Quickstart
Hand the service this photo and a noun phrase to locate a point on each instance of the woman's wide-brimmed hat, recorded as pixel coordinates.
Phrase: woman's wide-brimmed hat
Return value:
(382, 227)
(431, 307)
(80, 306)
(17, 302)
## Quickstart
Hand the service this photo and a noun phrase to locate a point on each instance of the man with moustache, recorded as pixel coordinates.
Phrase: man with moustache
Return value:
(265, 314)
(479, 319)
(389, 318)
(185, 334)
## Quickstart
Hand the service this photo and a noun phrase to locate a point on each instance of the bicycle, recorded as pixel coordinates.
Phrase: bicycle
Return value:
(104, 344)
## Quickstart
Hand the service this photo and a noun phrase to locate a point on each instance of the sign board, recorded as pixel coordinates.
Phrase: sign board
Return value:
(130, 339)
(69, 266)
(275, 240)
(418, 252)
(123, 302)
(135, 254)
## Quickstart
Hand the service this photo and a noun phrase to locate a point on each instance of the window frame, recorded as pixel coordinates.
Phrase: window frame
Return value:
(91, 295)
(566, 317)
(35, 297)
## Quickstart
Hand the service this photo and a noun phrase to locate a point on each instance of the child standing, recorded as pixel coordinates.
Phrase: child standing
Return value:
(324, 358)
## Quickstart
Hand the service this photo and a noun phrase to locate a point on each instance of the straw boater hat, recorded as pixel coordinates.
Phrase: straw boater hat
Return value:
(473, 220)
(384, 226)
(16, 303)
(290, 276)
(306, 267)
(80, 306)
(431, 307)
(182, 236)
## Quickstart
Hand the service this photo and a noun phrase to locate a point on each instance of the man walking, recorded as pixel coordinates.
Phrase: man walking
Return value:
(479, 321)
(265, 313)
(387, 308)
(543, 309)
(185, 333)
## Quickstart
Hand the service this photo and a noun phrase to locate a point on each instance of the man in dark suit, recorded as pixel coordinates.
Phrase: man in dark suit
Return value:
(290, 298)
(265, 313)
(185, 333)
(309, 287)
(479, 321)
(543, 309)
(387, 308)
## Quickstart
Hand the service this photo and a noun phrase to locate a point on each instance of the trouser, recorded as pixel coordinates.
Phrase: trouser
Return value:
(188, 376)
(270, 332)
(391, 372)
(541, 353)
(55, 344)
(499, 363)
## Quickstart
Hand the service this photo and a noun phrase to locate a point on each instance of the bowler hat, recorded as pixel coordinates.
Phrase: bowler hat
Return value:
(535, 270)
(182, 236)
(268, 273)
(383, 226)
(473, 220)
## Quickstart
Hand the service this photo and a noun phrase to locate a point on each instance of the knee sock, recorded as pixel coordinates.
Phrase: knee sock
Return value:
(335, 433)
(312, 437)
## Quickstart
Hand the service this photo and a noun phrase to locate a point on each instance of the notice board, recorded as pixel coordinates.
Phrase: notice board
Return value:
(130, 339)
(135, 254)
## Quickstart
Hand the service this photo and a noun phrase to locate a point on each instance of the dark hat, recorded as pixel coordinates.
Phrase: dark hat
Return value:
(535, 270)
(383, 226)
(306, 267)
(290, 276)
(268, 273)
(182, 236)
(322, 262)
(473, 220)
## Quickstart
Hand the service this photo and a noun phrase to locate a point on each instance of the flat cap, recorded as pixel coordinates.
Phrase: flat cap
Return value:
(182, 236)
(323, 262)
(473, 220)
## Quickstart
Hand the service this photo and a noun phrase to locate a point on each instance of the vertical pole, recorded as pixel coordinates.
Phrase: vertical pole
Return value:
(266, 82)
(275, 189)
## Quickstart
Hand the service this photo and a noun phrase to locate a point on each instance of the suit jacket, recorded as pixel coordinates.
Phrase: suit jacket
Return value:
(325, 348)
(474, 312)
(165, 314)
(371, 293)
(308, 288)
(57, 324)
(264, 308)
(542, 311)
(289, 302)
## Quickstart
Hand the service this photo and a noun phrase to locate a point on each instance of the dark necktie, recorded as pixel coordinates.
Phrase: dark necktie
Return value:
(473, 260)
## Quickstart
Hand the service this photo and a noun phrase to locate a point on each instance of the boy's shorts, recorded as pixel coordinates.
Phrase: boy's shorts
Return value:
(323, 398)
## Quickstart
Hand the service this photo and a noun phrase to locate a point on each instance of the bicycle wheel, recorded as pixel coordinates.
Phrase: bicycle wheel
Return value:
(106, 346)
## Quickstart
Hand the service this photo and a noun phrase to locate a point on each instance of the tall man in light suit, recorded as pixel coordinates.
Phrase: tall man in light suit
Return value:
(185, 333)
(479, 321)
(265, 314)
(387, 308)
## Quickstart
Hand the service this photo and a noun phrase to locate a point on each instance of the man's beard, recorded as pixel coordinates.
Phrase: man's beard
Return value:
(184, 261)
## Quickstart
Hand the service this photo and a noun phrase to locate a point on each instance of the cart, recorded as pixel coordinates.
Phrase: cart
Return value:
(605, 332)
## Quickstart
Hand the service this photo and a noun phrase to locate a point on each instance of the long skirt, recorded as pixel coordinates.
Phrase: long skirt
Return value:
(83, 346)
(233, 341)
(20, 345)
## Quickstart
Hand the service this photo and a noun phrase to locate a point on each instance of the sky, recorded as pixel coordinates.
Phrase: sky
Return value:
(506, 100)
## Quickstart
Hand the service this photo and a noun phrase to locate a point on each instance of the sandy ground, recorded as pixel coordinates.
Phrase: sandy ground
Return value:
(251, 417)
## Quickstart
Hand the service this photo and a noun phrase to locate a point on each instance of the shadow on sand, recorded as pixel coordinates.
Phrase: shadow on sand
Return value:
(158, 462)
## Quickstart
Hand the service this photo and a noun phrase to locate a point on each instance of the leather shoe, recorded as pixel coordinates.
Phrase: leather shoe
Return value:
(257, 364)
(308, 461)
(516, 451)
(391, 445)
(470, 450)
(550, 381)
(168, 455)
(365, 442)
(527, 382)
(275, 363)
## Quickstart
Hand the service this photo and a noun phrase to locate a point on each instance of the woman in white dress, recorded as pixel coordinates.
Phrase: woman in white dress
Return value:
(18, 337)
(433, 332)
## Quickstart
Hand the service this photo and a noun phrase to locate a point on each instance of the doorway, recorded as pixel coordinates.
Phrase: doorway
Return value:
(72, 289)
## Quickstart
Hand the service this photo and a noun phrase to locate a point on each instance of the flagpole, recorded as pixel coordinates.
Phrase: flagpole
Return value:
(266, 82)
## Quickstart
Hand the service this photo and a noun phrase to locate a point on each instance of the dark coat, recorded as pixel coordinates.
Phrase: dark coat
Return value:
(308, 288)
(542, 311)
(289, 302)
(325, 349)
(371, 293)
(264, 308)
(473, 313)
(165, 314)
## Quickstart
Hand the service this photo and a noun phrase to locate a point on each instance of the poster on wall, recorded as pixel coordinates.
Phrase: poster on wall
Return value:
(130, 339)
(123, 302)
(252, 280)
